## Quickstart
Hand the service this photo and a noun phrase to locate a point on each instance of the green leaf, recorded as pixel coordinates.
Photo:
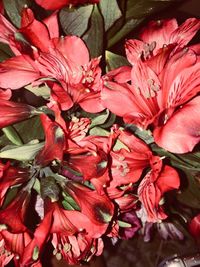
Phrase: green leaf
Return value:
(94, 37)
(41, 91)
(5, 52)
(74, 21)
(30, 129)
(110, 11)
(69, 202)
(22, 153)
(190, 196)
(12, 135)
(123, 224)
(114, 61)
(14, 8)
(23, 131)
(100, 119)
(99, 131)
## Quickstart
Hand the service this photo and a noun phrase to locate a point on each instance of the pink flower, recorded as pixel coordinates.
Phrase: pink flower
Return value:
(160, 96)
(52, 5)
(152, 188)
(65, 60)
(158, 34)
(129, 162)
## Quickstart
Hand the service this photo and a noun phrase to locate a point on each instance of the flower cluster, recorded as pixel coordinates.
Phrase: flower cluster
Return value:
(83, 182)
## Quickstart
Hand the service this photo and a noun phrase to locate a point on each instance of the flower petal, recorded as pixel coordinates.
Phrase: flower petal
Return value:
(182, 131)
(17, 72)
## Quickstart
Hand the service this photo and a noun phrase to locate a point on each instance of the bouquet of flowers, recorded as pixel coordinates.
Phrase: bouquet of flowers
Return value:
(95, 145)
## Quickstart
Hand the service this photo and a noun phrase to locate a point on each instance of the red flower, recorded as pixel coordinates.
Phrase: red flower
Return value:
(52, 5)
(63, 225)
(158, 34)
(153, 186)
(66, 60)
(128, 163)
(159, 95)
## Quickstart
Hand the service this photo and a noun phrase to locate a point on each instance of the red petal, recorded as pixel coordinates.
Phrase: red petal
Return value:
(54, 143)
(159, 31)
(74, 49)
(168, 179)
(92, 103)
(182, 131)
(185, 32)
(34, 30)
(194, 226)
(52, 4)
(17, 72)
(134, 49)
(52, 24)
(6, 30)
(177, 71)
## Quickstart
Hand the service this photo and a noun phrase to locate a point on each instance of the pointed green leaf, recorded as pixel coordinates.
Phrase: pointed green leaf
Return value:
(74, 21)
(12, 135)
(21, 153)
(94, 37)
(110, 11)
(114, 61)
(98, 131)
(190, 195)
(100, 119)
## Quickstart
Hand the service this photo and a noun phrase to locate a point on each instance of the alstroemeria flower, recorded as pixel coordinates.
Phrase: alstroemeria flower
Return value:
(129, 162)
(52, 5)
(152, 188)
(158, 34)
(62, 225)
(161, 99)
(45, 55)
